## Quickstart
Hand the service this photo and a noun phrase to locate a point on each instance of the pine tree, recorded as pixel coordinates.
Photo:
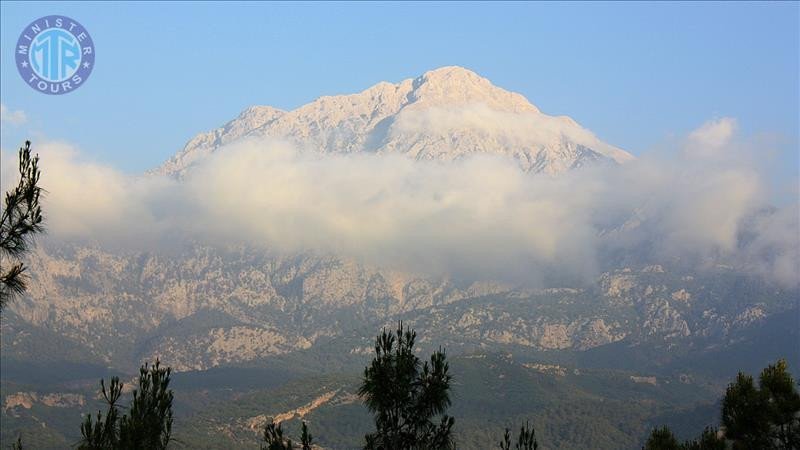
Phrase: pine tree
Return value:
(273, 438)
(405, 395)
(305, 437)
(708, 440)
(744, 414)
(20, 220)
(662, 439)
(104, 433)
(148, 425)
(149, 421)
(767, 416)
(525, 441)
(782, 405)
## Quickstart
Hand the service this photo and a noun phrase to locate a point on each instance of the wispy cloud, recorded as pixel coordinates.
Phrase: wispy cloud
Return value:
(713, 137)
(480, 217)
(17, 117)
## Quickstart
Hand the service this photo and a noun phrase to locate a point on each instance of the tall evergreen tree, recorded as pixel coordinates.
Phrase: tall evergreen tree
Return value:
(662, 439)
(406, 396)
(273, 437)
(744, 414)
(782, 405)
(148, 424)
(766, 416)
(708, 440)
(104, 432)
(525, 441)
(305, 437)
(20, 220)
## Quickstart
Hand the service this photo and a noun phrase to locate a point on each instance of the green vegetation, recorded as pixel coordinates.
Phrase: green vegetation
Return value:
(273, 438)
(306, 439)
(525, 441)
(709, 440)
(763, 417)
(405, 395)
(20, 221)
(586, 408)
(148, 424)
(663, 439)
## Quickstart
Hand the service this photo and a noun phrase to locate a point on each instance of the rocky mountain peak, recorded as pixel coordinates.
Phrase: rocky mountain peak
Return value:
(453, 85)
(445, 114)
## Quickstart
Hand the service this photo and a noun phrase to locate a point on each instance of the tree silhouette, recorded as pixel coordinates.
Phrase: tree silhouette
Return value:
(305, 437)
(148, 425)
(525, 441)
(103, 434)
(662, 439)
(744, 414)
(20, 220)
(766, 416)
(708, 440)
(405, 395)
(149, 422)
(273, 438)
(763, 417)
(783, 405)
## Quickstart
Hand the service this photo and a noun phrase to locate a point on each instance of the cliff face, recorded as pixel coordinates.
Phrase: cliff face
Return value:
(205, 307)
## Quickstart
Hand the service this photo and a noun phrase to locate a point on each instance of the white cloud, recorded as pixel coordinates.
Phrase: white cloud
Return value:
(89, 200)
(17, 117)
(711, 138)
(478, 217)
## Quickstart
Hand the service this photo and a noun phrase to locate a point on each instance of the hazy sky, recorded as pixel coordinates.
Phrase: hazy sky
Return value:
(635, 74)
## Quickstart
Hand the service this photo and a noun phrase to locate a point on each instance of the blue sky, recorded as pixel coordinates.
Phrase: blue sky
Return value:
(636, 74)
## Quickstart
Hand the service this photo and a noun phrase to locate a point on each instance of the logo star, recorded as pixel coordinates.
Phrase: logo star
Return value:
(24, 64)
(86, 65)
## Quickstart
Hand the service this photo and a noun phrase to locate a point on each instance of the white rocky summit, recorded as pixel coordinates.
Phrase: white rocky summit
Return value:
(445, 114)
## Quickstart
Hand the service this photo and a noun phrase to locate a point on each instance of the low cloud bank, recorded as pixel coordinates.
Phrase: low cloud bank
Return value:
(482, 217)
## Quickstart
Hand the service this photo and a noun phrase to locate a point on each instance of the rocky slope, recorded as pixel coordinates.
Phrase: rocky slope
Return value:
(205, 307)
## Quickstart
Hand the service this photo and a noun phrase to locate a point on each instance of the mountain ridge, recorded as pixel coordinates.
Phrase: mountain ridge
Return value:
(445, 114)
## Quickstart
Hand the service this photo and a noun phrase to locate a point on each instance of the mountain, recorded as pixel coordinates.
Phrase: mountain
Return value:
(445, 114)
(254, 334)
(204, 307)
(252, 331)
